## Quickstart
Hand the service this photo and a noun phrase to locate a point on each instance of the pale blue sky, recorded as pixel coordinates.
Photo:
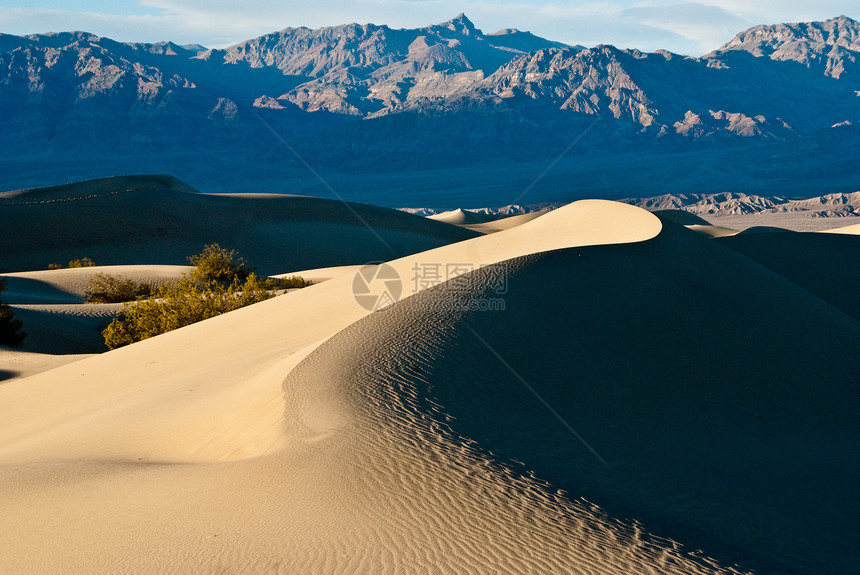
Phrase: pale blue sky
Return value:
(692, 28)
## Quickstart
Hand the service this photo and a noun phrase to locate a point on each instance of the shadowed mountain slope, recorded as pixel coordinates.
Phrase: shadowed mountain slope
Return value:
(771, 112)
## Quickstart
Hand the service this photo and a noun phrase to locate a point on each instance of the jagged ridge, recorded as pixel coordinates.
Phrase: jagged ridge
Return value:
(502, 96)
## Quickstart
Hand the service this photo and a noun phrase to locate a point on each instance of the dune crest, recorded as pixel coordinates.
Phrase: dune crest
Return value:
(188, 384)
(148, 219)
(69, 284)
(123, 445)
(852, 229)
(461, 217)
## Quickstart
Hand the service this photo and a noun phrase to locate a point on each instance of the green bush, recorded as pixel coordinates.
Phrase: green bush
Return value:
(181, 303)
(82, 263)
(221, 282)
(105, 288)
(290, 282)
(11, 334)
(55, 266)
(220, 264)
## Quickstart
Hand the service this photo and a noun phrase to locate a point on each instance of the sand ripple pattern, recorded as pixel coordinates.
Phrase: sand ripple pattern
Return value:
(430, 500)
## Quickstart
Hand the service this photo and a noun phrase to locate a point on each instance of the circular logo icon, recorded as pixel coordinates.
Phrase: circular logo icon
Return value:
(376, 287)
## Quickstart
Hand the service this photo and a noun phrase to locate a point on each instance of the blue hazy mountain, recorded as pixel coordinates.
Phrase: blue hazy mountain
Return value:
(411, 114)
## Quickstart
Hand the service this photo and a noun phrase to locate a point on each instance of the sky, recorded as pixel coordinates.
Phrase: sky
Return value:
(690, 28)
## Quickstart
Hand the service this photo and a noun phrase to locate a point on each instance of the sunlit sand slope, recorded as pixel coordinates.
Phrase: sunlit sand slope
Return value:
(67, 286)
(178, 453)
(852, 229)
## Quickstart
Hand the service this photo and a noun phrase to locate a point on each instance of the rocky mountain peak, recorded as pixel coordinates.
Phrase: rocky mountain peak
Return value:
(833, 44)
(63, 39)
(493, 89)
(461, 25)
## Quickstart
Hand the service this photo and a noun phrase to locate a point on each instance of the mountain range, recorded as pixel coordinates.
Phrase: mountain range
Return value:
(427, 116)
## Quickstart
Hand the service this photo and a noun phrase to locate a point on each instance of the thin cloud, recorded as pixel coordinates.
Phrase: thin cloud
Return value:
(692, 28)
(706, 26)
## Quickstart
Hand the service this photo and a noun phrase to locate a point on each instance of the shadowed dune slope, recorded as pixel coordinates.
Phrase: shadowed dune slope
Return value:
(50, 304)
(65, 328)
(715, 391)
(183, 453)
(682, 217)
(245, 354)
(68, 286)
(823, 263)
(157, 219)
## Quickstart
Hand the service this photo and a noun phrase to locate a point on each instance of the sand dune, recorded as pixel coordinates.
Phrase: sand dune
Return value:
(462, 217)
(68, 285)
(18, 364)
(823, 264)
(305, 434)
(852, 229)
(322, 274)
(712, 231)
(484, 223)
(505, 223)
(247, 342)
(212, 392)
(719, 428)
(160, 220)
(51, 305)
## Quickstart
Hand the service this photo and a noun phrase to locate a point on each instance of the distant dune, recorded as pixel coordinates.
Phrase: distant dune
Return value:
(852, 229)
(462, 217)
(18, 364)
(68, 285)
(51, 305)
(645, 399)
(160, 220)
(823, 264)
(485, 223)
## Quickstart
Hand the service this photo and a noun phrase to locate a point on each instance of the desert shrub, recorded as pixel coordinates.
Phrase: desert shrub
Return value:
(105, 288)
(55, 266)
(290, 282)
(82, 263)
(220, 264)
(11, 334)
(221, 282)
(181, 303)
